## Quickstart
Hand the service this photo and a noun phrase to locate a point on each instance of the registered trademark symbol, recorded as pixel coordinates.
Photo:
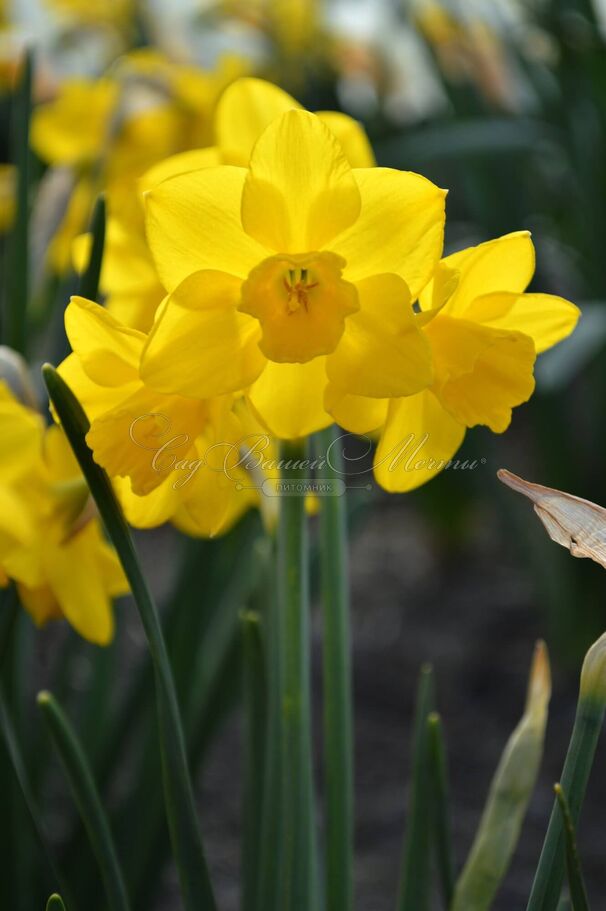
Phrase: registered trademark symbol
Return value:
(483, 461)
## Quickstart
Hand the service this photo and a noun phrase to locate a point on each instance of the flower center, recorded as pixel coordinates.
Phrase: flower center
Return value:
(301, 302)
(297, 283)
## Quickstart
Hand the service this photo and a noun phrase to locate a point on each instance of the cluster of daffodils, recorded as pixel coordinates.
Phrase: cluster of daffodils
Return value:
(51, 543)
(290, 283)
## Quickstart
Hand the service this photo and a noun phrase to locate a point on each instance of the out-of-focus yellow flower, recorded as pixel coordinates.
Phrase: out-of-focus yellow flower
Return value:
(485, 333)
(111, 130)
(72, 129)
(167, 453)
(294, 26)
(437, 23)
(51, 544)
(95, 12)
(469, 49)
(7, 196)
(294, 269)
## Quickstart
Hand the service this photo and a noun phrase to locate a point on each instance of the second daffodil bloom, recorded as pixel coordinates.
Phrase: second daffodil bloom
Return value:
(165, 453)
(288, 272)
(485, 333)
(51, 542)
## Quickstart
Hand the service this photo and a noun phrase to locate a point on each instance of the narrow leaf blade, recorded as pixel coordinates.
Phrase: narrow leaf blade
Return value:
(87, 799)
(415, 877)
(179, 798)
(508, 797)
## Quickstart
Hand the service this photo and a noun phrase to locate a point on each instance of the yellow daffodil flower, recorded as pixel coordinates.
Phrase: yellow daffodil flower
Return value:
(129, 279)
(165, 453)
(485, 333)
(51, 544)
(287, 272)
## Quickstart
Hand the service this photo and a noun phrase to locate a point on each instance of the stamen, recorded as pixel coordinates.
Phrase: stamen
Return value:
(296, 285)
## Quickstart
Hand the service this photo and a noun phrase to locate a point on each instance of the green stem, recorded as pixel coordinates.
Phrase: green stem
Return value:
(178, 791)
(297, 801)
(19, 248)
(576, 883)
(255, 702)
(271, 850)
(338, 709)
(549, 876)
(87, 799)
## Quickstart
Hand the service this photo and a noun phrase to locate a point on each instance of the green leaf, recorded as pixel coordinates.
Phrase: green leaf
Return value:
(441, 806)
(508, 797)
(415, 877)
(576, 884)
(87, 799)
(18, 290)
(89, 280)
(462, 138)
(178, 791)
(14, 752)
(55, 903)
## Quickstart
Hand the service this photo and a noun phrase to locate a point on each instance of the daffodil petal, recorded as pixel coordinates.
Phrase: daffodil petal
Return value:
(418, 440)
(352, 136)
(193, 223)
(300, 191)
(40, 603)
(382, 352)
(504, 264)
(94, 398)
(200, 345)
(400, 228)
(21, 433)
(547, 319)
(289, 398)
(183, 163)
(59, 457)
(245, 109)
(143, 437)
(151, 510)
(483, 373)
(355, 413)
(75, 576)
(109, 352)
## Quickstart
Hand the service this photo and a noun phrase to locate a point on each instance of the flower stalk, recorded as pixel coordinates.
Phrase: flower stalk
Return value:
(297, 798)
(338, 709)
